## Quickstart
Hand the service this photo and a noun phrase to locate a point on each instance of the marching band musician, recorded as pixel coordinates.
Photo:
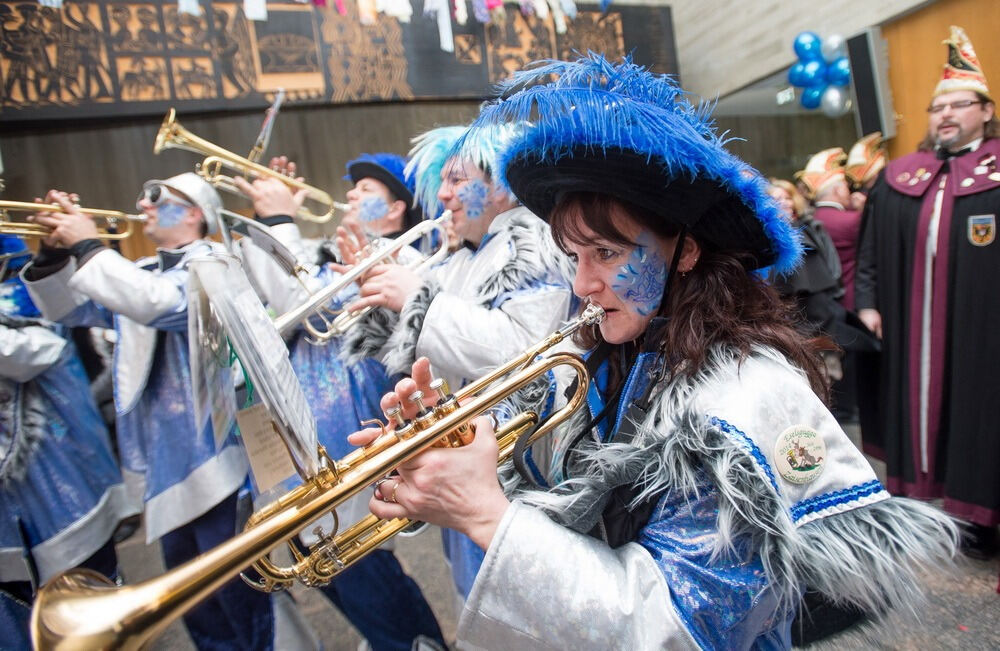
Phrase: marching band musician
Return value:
(375, 594)
(61, 492)
(191, 474)
(706, 483)
(505, 288)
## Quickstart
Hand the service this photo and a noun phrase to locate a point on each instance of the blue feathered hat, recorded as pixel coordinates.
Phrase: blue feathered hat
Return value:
(14, 253)
(621, 130)
(481, 146)
(387, 168)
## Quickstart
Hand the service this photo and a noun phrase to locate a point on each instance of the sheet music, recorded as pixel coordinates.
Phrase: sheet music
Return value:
(262, 353)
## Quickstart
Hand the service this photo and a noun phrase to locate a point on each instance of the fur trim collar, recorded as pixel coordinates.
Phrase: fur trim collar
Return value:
(870, 553)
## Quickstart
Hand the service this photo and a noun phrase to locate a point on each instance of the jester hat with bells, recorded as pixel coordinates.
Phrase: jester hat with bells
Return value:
(963, 70)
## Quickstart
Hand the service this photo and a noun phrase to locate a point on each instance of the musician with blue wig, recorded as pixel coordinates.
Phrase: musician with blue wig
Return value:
(61, 492)
(705, 483)
(505, 287)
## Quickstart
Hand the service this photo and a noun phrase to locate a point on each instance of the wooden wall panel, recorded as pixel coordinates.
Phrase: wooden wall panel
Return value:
(106, 162)
(916, 56)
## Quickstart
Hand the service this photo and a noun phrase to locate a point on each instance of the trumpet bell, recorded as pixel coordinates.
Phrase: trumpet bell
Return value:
(172, 135)
(112, 225)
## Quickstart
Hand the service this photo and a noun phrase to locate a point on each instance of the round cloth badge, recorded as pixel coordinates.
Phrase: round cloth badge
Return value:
(799, 454)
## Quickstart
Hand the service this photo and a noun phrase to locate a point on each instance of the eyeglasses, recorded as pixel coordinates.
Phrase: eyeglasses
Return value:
(157, 194)
(956, 106)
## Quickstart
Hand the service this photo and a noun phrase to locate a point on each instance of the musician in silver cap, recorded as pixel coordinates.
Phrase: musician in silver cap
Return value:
(189, 474)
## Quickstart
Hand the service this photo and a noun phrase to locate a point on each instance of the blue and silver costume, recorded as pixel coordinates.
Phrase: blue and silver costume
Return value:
(59, 483)
(61, 492)
(753, 491)
(146, 302)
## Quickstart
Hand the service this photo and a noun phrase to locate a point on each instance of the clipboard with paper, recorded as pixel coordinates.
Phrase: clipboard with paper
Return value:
(221, 299)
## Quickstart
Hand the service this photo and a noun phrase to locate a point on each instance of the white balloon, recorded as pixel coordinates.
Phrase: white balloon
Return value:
(835, 102)
(833, 47)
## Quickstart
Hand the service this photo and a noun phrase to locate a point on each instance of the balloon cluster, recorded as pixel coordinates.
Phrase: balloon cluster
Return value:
(823, 72)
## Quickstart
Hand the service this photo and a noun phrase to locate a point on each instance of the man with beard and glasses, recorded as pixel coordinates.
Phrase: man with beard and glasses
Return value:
(926, 261)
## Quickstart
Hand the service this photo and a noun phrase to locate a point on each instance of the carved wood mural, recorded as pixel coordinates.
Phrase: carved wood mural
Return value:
(115, 57)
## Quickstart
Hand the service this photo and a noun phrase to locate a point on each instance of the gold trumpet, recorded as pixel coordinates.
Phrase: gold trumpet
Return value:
(80, 609)
(174, 136)
(108, 231)
(380, 251)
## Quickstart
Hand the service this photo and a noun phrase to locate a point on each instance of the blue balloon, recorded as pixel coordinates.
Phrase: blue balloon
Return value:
(838, 73)
(812, 96)
(813, 73)
(808, 46)
(795, 74)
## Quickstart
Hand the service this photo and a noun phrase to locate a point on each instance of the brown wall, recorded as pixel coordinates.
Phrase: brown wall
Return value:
(916, 56)
(106, 162)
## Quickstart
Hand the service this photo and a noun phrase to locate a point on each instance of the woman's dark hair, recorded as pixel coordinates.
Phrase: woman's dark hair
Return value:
(717, 303)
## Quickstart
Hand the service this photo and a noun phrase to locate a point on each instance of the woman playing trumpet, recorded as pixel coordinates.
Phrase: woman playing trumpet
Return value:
(706, 484)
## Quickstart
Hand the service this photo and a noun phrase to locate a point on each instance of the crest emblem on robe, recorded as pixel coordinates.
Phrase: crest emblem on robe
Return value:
(982, 229)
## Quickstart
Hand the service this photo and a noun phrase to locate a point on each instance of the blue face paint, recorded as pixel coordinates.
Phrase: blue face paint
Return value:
(169, 214)
(372, 209)
(473, 197)
(640, 281)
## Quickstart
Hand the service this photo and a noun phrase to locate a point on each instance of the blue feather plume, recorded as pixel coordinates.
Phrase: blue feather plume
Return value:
(427, 158)
(480, 146)
(599, 105)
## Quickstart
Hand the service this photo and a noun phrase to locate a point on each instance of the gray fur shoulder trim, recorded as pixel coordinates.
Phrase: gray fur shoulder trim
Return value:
(871, 556)
(24, 417)
(535, 257)
(368, 336)
(402, 344)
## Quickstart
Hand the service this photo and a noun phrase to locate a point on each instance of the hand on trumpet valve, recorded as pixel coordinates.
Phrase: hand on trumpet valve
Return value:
(69, 226)
(450, 487)
(269, 195)
(387, 285)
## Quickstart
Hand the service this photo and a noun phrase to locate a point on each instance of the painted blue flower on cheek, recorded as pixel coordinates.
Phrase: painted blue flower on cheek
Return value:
(373, 208)
(640, 281)
(473, 197)
(170, 214)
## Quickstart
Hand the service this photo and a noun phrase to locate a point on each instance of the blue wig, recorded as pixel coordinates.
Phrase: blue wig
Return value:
(619, 129)
(427, 159)
(480, 146)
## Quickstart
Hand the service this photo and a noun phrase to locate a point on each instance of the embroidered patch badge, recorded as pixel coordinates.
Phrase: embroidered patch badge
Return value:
(799, 454)
(982, 229)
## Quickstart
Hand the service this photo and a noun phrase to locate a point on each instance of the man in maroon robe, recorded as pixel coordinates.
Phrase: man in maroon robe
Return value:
(927, 267)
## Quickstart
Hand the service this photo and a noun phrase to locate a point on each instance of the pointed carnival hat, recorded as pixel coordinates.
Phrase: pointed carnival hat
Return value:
(865, 160)
(963, 71)
(823, 169)
(481, 147)
(387, 168)
(620, 130)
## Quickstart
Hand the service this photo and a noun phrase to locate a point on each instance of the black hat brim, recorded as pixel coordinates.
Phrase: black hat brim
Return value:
(366, 169)
(631, 177)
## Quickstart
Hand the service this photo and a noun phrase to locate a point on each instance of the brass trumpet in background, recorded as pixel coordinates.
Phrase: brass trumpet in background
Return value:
(107, 231)
(381, 251)
(173, 136)
(80, 609)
